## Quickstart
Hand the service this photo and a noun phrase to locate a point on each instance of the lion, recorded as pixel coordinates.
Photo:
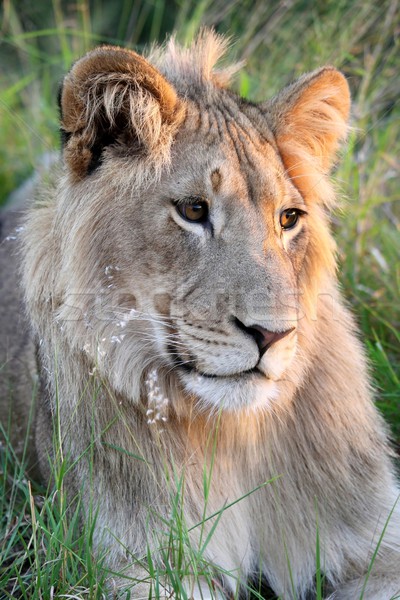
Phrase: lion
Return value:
(187, 335)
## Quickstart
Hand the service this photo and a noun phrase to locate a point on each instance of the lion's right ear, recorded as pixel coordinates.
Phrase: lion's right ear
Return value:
(114, 97)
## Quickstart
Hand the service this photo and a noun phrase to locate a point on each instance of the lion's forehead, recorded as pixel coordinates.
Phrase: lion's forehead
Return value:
(228, 143)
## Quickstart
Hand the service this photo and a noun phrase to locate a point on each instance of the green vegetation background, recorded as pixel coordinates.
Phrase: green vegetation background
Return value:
(279, 40)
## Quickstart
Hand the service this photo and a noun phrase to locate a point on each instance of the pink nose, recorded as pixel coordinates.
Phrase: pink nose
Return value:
(263, 337)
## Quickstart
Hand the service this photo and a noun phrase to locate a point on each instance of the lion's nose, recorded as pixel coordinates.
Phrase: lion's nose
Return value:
(263, 337)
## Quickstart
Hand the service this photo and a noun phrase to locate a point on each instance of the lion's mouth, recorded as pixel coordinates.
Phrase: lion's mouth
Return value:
(189, 366)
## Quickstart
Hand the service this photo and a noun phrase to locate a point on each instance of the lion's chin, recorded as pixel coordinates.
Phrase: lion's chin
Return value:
(251, 391)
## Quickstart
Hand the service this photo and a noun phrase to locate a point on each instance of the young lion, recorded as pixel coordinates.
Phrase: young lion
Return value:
(190, 338)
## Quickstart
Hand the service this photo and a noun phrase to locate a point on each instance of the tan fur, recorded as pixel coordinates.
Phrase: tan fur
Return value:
(122, 293)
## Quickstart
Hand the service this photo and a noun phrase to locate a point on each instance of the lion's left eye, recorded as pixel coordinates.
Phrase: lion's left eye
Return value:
(195, 212)
(290, 217)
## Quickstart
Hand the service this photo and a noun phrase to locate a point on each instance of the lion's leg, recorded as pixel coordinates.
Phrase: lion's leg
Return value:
(380, 579)
(143, 589)
(377, 588)
(200, 590)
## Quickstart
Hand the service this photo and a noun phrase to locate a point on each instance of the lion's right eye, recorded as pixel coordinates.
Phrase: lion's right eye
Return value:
(194, 212)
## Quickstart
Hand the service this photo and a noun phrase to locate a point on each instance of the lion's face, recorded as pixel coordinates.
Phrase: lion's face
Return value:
(198, 229)
(215, 268)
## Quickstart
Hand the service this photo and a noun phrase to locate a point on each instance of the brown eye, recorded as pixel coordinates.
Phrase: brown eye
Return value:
(195, 212)
(290, 217)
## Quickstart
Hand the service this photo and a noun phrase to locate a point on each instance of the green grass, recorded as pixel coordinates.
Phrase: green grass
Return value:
(45, 553)
(46, 549)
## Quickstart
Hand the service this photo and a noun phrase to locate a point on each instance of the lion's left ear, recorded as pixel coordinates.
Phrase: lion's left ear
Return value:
(309, 119)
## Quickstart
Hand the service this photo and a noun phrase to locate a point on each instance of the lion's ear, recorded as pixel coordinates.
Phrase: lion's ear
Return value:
(114, 98)
(309, 119)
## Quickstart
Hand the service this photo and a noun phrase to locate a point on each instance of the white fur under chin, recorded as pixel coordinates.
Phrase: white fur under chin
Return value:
(232, 393)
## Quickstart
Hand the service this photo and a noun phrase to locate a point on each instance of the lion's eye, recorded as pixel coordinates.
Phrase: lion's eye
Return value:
(290, 217)
(195, 212)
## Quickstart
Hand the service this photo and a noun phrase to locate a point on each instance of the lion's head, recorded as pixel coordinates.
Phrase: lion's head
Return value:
(188, 233)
